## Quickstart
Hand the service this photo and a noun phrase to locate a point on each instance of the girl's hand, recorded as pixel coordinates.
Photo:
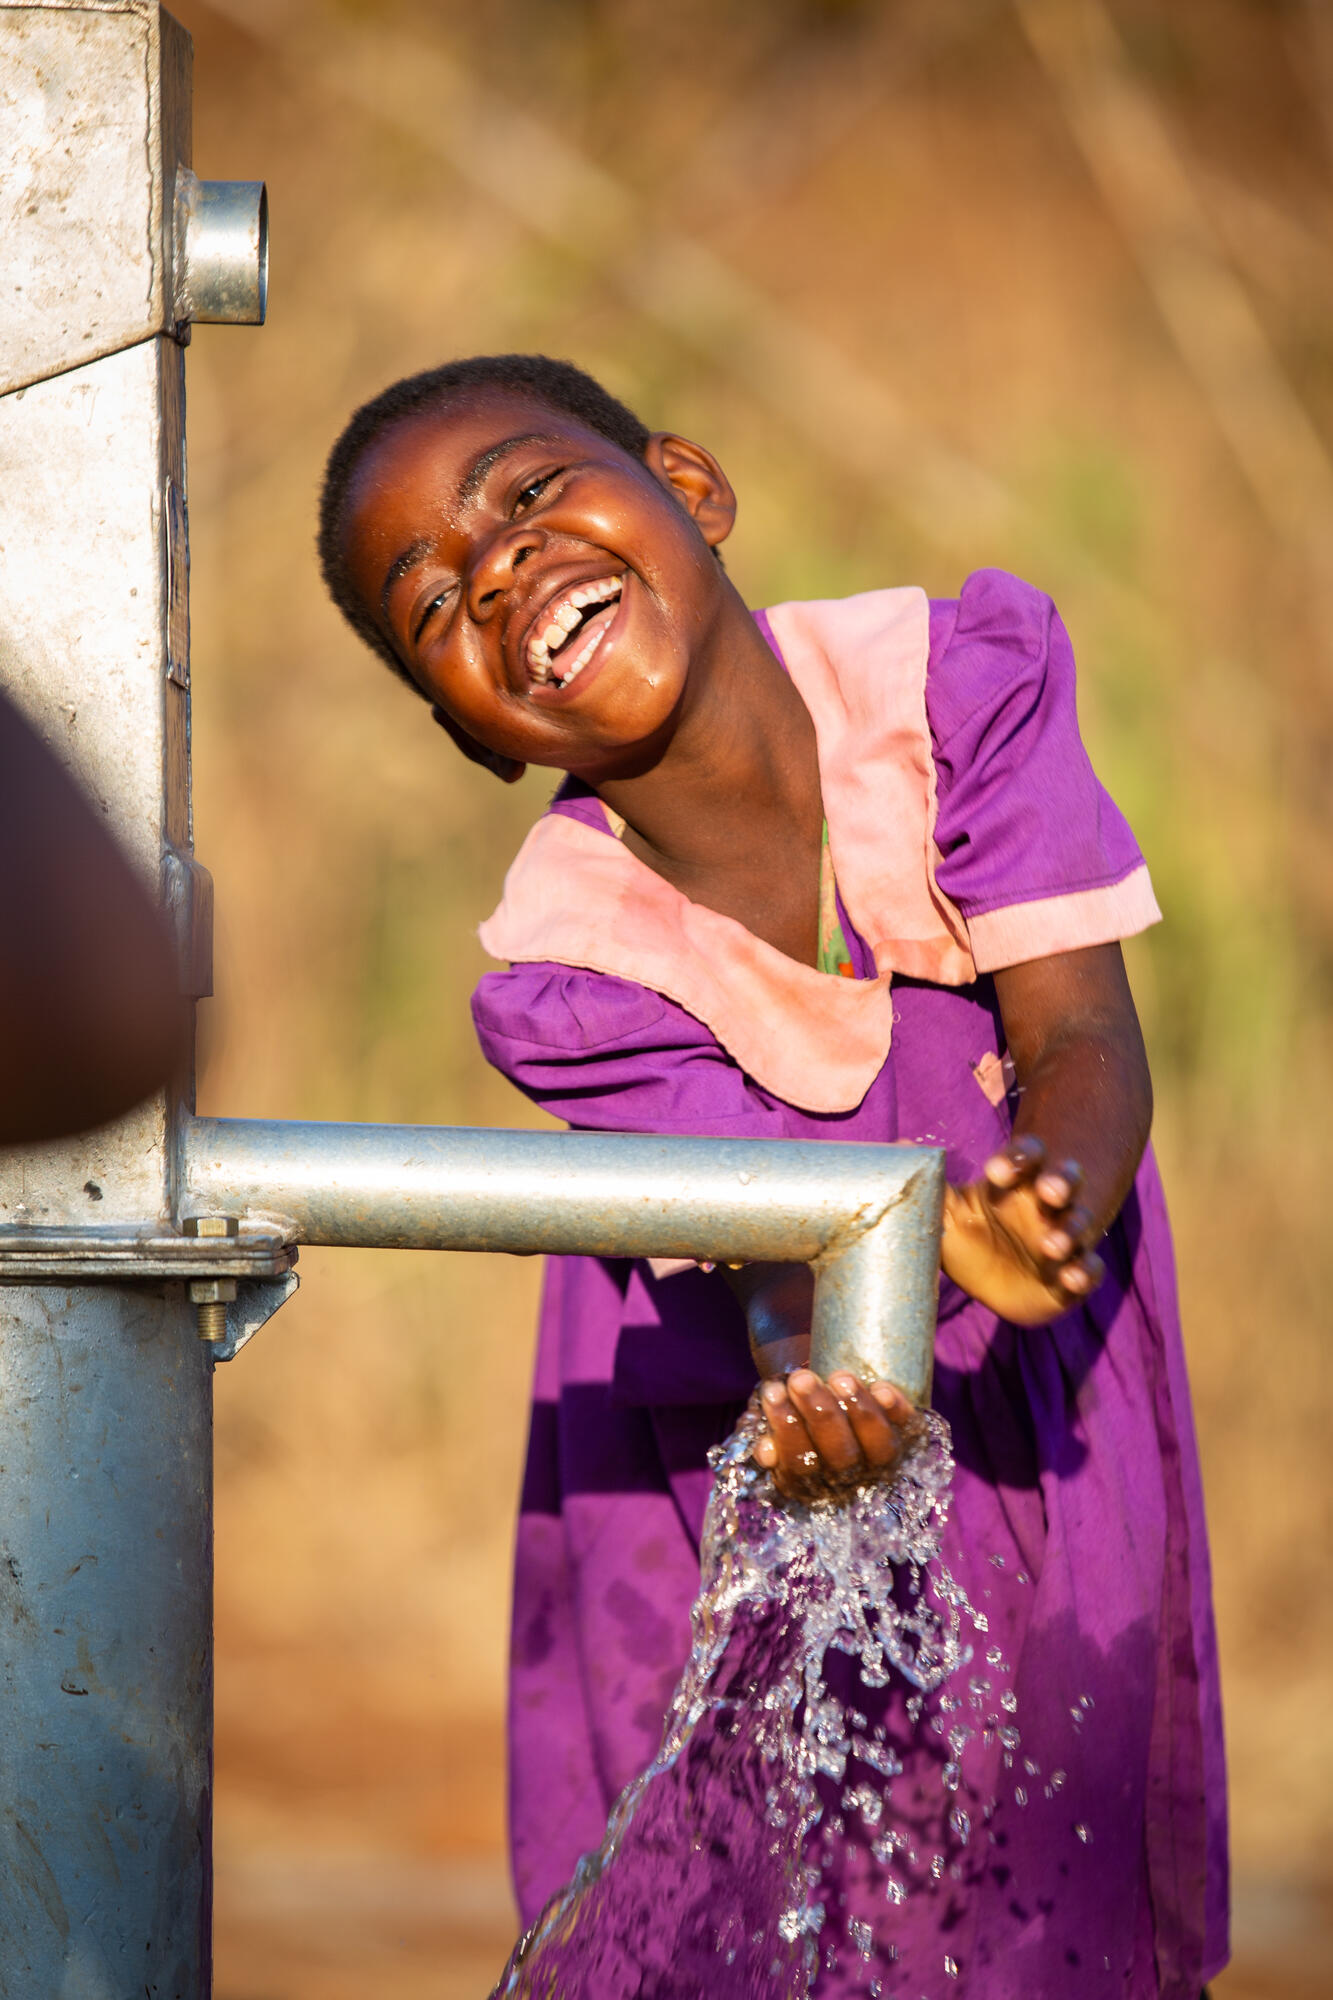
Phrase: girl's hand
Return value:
(1020, 1240)
(824, 1439)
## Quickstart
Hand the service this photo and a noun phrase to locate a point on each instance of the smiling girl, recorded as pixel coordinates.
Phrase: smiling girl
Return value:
(836, 870)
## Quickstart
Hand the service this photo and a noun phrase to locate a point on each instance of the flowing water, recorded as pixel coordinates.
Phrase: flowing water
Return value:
(712, 1875)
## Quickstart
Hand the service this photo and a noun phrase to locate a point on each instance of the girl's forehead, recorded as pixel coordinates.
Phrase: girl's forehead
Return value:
(445, 450)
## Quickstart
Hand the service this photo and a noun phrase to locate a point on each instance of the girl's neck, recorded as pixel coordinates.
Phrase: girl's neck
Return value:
(731, 811)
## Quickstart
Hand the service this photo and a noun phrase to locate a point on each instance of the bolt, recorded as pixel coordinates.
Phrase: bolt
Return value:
(211, 1296)
(211, 1322)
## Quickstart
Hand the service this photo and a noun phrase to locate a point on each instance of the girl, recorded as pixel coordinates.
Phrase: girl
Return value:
(843, 871)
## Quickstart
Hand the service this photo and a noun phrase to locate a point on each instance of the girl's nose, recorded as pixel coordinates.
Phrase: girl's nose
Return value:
(494, 565)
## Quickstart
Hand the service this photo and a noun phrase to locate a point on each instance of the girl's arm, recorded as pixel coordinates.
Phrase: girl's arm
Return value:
(1021, 1238)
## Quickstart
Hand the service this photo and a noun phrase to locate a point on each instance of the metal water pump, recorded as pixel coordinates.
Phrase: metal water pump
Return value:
(136, 1258)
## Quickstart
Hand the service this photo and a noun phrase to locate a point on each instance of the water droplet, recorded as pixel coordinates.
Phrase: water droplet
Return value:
(994, 1657)
(1032, 1768)
(1020, 1796)
(1086, 1701)
(1057, 1779)
(951, 1967)
(1084, 1833)
(1009, 1701)
(865, 1800)
(961, 1824)
(1010, 1737)
(997, 1560)
(862, 1936)
(1022, 1577)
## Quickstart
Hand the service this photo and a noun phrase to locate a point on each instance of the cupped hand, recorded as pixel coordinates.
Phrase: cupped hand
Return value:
(1020, 1239)
(825, 1439)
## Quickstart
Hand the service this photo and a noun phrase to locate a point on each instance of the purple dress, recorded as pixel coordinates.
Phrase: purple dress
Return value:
(1077, 1521)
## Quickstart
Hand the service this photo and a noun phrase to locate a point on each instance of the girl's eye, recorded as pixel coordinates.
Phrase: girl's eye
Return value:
(428, 611)
(528, 496)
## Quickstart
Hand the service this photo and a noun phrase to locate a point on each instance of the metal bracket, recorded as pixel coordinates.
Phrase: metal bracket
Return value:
(55, 1256)
(187, 891)
(257, 1299)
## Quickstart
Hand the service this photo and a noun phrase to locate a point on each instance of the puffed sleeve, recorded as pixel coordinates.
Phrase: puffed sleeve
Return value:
(609, 1055)
(1032, 849)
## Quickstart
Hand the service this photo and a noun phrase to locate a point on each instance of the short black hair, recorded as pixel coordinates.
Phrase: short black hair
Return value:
(559, 384)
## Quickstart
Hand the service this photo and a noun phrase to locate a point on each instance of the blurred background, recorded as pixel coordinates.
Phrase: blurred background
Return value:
(945, 283)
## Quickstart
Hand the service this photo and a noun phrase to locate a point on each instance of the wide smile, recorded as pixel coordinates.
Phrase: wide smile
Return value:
(567, 632)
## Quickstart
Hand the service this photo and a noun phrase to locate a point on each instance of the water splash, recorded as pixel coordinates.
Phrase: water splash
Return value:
(708, 1879)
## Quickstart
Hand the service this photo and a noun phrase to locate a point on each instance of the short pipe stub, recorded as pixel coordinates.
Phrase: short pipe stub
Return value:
(221, 251)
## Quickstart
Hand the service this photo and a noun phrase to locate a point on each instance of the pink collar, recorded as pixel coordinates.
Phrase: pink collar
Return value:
(578, 898)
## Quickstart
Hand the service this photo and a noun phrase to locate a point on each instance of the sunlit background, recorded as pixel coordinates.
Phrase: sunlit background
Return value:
(947, 283)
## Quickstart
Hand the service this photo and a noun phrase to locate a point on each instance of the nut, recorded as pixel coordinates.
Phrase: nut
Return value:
(212, 1291)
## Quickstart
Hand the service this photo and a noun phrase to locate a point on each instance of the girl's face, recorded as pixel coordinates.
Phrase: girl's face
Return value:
(548, 591)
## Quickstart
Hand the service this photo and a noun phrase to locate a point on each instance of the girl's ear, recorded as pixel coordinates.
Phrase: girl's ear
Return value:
(696, 479)
(507, 768)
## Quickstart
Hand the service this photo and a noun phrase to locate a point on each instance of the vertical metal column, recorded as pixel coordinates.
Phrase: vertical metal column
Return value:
(105, 1408)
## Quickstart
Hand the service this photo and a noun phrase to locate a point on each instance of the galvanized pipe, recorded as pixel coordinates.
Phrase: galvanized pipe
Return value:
(106, 1659)
(865, 1216)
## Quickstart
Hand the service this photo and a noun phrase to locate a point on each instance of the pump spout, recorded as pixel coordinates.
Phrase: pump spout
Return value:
(866, 1217)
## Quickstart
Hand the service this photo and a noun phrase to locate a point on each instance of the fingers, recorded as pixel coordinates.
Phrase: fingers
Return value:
(826, 1421)
(875, 1413)
(1081, 1275)
(827, 1436)
(1019, 1164)
(1026, 1213)
(1066, 1246)
(1070, 1233)
(785, 1447)
(1055, 1189)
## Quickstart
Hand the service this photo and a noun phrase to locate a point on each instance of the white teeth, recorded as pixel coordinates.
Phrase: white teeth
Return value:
(561, 620)
(582, 659)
